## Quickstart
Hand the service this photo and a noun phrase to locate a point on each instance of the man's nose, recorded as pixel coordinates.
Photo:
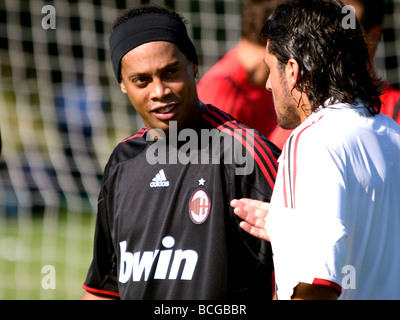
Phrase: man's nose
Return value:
(160, 89)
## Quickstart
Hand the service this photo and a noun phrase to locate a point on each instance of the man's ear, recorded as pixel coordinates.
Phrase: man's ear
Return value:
(292, 72)
(122, 85)
(195, 70)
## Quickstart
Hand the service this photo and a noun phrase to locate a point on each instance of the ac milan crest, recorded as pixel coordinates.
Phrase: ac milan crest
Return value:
(199, 206)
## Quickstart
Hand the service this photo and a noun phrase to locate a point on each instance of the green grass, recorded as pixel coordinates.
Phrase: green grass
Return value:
(29, 244)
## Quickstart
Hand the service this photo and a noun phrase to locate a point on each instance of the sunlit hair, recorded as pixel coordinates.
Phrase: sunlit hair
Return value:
(333, 60)
(254, 14)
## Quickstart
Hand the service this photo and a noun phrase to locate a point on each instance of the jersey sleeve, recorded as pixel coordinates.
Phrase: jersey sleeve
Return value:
(102, 274)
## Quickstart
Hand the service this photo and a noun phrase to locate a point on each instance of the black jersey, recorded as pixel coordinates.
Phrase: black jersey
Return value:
(165, 229)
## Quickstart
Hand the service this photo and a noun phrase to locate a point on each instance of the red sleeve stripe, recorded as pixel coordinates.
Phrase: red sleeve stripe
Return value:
(232, 133)
(285, 196)
(263, 147)
(295, 165)
(327, 283)
(226, 121)
(138, 134)
(228, 125)
(105, 292)
(289, 170)
(295, 159)
(224, 118)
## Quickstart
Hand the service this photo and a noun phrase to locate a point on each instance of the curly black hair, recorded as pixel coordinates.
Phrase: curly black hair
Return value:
(333, 60)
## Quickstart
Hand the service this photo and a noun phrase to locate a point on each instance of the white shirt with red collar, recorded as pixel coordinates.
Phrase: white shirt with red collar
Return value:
(334, 217)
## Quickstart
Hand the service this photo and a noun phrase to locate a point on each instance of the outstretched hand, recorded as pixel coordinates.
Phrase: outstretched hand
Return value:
(254, 214)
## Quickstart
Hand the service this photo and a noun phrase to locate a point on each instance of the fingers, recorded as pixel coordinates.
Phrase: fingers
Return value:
(255, 218)
(254, 213)
(254, 231)
(251, 203)
(250, 210)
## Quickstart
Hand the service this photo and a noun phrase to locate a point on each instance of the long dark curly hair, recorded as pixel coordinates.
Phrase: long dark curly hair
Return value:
(333, 60)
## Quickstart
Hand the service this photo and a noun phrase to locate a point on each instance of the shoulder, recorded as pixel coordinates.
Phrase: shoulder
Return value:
(226, 123)
(323, 133)
(249, 145)
(226, 72)
(225, 66)
(129, 147)
(339, 129)
(391, 103)
(140, 134)
(391, 93)
(330, 122)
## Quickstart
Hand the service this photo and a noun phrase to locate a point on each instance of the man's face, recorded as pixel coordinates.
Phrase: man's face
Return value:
(286, 107)
(160, 83)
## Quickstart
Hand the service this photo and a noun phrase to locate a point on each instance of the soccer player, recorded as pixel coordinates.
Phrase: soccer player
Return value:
(236, 83)
(334, 218)
(165, 229)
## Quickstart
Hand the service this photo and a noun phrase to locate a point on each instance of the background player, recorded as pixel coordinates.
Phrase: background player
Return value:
(166, 230)
(236, 84)
(335, 207)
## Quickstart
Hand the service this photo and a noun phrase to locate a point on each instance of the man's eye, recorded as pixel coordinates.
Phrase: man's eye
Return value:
(140, 81)
(172, 71)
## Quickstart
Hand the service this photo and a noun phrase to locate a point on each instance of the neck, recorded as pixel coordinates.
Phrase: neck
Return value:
(251, 57)
(304, 106)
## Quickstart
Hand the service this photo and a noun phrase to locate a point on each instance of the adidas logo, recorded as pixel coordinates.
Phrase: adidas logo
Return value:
(160, 180)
